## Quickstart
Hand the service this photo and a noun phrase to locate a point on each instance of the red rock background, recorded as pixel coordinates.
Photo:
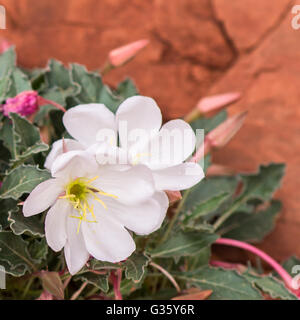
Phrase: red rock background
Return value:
(198, 47)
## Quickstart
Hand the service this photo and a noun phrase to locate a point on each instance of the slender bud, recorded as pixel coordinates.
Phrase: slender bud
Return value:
(217, 102)
(121, 55)
(212, 104)
(221, 135)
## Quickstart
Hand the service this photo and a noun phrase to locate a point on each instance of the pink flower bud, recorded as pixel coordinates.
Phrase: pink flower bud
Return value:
(221, 135)
(217, 102)
(120, 56)
(25, 103)
(4, 45)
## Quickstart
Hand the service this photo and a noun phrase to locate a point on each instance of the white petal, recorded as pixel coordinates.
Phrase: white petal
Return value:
(107, 240)
(42, 197)
(137, 112)
(130, 186)
(55, 224)
(179, 177)
(57, 150)
(76, 254)
(143, 218)
(84, 122)
(174, 143)
(74, 164)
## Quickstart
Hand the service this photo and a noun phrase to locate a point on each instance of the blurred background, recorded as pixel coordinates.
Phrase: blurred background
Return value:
(197, 48)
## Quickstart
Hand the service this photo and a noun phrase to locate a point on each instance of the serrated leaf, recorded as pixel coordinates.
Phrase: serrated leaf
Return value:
(209, 188)
(52, 283)
(254, 226)
(7, 61)
(92, 89)
(225, 284)
(14, 255)
(98, 280)
(271, 286)
(22, 180)
(184, 244)
(206, 207)
(5, 206)
(135, 266)
(19, 82)
(20, 224)
(26, 137)
(263, 184)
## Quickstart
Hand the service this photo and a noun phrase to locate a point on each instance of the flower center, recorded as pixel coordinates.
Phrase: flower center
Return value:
(79, 192)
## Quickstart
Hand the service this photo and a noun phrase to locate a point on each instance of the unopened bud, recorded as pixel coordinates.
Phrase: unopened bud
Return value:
(120, 56)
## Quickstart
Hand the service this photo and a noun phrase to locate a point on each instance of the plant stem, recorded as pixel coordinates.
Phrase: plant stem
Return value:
(78, 292)
(175, 216)
(28, 285)
(167, 274)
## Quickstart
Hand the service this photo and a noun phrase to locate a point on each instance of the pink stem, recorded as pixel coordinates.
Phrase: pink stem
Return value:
(43, 101)
(276, 266)
(116, 277)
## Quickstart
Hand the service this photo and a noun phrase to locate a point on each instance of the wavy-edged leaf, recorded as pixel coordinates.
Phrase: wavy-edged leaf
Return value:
(22, 180)
(135, 266)
(183, 244)
(14, 255)
(5, 206)
(20, 224)
(7, 61)
(252, 226)
(98, 280)
(225, 284)
(271, 286)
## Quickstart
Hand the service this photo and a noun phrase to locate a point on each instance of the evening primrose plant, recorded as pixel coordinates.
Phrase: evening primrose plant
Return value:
(102, 200)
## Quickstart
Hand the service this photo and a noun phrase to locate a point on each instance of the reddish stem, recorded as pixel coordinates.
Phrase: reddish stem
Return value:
(275, 265)
(116, 277)
(42, 101)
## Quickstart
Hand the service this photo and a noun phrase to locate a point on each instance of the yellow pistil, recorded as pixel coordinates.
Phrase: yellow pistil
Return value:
(77, 193)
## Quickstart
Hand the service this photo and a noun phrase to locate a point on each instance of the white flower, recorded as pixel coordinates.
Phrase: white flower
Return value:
(142, 117)
(92, 206)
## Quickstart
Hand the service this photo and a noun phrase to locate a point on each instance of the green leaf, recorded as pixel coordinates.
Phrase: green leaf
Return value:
(184, 244)
(208, 189)
(38, 249)
(58, 77)
(206, 207)
(98, 280)
(20, 224)
(253, 226)
(271, 286)
(26, 138)
(5, 84)
(135, 266)
(22, 180)
(5, 206)
(263, 184)
(92, 89)
(19, 83)
(7, 61)
(52, 283)
(225, 284)
(14, 255)
(126, 89)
